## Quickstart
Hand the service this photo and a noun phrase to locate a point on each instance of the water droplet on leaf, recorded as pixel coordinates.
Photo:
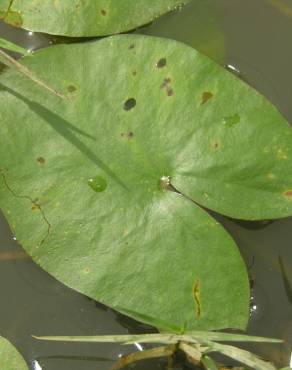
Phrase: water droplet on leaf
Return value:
(231, 120)
(97, 183)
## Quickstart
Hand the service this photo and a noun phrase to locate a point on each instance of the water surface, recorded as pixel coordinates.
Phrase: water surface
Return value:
(253, 38)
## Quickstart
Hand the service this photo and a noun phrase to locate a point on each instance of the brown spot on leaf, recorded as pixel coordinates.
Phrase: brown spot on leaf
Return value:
(288, 194)
(166, 86)
(131, 46)
(41, 160)
(215, 145)
(207, 95)
(71, 88)
(165, 82)
(128, 135)
(103, 12)
(134, 73)
(197, 298)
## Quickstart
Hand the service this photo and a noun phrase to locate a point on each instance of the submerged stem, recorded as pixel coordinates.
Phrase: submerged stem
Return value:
(164, 351)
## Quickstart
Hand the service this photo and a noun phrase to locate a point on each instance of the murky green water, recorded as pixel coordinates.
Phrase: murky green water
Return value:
(253, 38)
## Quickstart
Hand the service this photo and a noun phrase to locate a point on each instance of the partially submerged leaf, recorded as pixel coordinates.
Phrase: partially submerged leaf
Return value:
(5, 44)
(193, 337)
(228, 337)
(86, 183)
(208, 363)
(83, 17)
(243, 356)
(10, 358)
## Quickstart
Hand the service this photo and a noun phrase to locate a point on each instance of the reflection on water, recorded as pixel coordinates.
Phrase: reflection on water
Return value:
(250, 38)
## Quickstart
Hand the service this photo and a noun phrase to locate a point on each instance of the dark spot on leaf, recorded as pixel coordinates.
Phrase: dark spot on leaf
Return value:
(165, 82)
(166, 86)
(129, 135)
(134, 73)
(206, 96)
(197, 298)
(35, 207)
(131, 46)
(71, 88)
(103, 12)
(129, 104)
(288, 194)
(41, 160)
(215, 145)
(161, 63)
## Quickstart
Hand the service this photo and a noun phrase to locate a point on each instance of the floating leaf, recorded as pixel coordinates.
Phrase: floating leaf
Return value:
(83, 17)
(243, 356)
(136, 128)
(10, 358)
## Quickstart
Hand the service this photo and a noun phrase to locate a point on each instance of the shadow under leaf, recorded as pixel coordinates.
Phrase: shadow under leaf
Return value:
(66, 130)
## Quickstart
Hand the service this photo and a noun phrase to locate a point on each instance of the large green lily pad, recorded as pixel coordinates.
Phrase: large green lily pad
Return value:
(84, 180)
(10, 358)
(83, 17)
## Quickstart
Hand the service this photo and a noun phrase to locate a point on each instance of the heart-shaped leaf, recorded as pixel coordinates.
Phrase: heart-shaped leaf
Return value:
(10, 358)
(85, 181)
(83, 17)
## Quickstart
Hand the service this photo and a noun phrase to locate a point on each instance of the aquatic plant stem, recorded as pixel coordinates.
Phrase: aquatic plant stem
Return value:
(164, 351)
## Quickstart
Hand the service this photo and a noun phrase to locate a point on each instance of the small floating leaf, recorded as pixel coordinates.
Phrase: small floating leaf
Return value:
(83, 18)
(10, 358)
(243, 356)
